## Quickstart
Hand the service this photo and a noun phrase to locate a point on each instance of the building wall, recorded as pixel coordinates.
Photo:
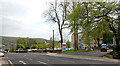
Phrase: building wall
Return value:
(81, 40)
(78, 39)
(72, 40)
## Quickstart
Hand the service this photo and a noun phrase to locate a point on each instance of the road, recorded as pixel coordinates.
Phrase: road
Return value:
(38, 58)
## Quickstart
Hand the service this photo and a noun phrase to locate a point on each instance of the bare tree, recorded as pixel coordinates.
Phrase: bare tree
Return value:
(57, 13)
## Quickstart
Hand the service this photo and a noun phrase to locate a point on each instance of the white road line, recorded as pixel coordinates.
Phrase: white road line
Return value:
(10, 63)
(22, 62)
(42, 62)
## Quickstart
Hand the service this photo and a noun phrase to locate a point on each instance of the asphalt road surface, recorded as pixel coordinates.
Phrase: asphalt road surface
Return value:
(37, 58)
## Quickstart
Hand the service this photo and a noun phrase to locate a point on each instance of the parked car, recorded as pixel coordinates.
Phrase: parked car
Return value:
(29, 50)
(4, 51)
(1, 54)
(104, 48)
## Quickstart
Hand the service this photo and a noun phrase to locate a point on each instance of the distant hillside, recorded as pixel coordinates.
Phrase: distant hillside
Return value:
(7, 41)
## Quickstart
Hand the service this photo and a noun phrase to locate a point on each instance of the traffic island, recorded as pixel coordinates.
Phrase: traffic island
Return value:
(113, 55)
(116, 55)
(78, 51)
(109, 56)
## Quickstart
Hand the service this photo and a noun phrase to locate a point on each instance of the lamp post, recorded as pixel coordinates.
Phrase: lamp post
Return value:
(53, 40)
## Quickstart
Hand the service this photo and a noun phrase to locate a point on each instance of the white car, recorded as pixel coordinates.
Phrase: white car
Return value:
(1, 54)
(29, 50)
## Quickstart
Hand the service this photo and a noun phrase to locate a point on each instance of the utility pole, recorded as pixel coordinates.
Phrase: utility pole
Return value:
(53, 40)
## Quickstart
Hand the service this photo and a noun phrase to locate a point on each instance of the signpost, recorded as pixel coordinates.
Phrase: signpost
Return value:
(64, 46)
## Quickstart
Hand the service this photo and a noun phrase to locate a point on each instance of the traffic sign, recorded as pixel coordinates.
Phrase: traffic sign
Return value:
(64, 46)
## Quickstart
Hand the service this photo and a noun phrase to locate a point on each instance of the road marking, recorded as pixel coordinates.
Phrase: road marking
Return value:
(10, 63)
(42, 62)
(22, 62)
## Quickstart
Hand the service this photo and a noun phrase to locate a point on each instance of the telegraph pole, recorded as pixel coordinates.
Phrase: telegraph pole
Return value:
(53, 40)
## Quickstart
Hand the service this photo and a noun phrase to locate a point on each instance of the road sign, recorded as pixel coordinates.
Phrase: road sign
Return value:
(64, 46)
(103, 45)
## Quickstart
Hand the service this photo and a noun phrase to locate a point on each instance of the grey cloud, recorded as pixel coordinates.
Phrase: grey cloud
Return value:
(12, 9)
(9, 26)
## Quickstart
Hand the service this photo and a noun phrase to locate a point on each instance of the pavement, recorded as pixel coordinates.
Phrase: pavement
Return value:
(83, 57)
(4, 61)
(50, 59)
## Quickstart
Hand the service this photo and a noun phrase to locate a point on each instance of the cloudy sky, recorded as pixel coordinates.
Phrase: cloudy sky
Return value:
(24, 18)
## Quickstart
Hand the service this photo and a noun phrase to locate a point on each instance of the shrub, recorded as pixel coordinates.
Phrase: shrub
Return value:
(33, 46)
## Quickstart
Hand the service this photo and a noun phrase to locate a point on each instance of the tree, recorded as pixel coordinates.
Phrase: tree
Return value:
(108, 13)
(73, 24)
(49, 45)
(22, 42)
(20, 46)
(80, 14)
(88, 39)
(31, 41)
(44, 46)
(57, 13)
(68, 44)
(34, 46)
(98, 16)
(40, 46)
(12, 49)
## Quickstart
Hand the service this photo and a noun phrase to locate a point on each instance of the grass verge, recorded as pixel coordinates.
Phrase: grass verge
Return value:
(78, 51)
(109, 55)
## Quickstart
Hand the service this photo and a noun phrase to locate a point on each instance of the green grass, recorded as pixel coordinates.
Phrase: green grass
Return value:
(78, 51)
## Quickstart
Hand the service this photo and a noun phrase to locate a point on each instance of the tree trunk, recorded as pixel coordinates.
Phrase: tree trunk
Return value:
(104, 38)
(119, 31)
(75, 38)
(61, 37)
(117, 48)
(98, 39)
(76, 41)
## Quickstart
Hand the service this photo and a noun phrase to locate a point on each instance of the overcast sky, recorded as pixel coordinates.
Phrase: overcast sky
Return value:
(23, 18)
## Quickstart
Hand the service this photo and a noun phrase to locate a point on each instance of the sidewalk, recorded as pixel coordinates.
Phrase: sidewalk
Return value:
(3, 61)
(83, 57)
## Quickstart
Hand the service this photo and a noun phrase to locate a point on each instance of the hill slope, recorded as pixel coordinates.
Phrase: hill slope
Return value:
(7, 41)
